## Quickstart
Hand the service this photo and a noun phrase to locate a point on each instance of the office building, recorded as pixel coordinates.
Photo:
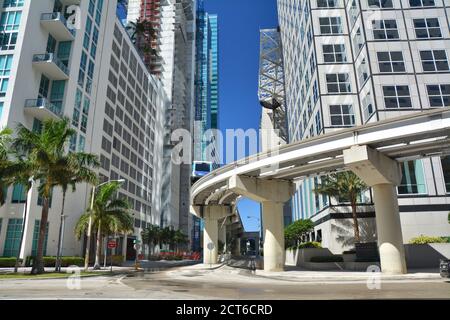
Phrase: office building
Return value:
(350, 63)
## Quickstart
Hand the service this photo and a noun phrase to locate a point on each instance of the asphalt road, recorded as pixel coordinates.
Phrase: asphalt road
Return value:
(218, 284)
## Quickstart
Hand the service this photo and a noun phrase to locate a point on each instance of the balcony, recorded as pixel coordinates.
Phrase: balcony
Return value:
(49, 65)
(56, 25)
(70, 2)
(42, 109)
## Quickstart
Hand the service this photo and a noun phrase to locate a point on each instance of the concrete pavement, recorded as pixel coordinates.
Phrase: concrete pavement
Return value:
(205, 282)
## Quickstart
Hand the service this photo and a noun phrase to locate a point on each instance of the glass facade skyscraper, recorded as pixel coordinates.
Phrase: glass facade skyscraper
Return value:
(206, 82)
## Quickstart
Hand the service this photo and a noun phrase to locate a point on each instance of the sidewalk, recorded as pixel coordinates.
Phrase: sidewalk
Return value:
(299, 275)
(66, 270)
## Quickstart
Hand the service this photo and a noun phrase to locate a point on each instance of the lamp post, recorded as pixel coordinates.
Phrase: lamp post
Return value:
(88, 240)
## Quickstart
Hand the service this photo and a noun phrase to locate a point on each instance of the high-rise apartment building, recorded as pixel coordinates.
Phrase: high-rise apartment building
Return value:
(349, 63)
(168, 49)
(93, 75)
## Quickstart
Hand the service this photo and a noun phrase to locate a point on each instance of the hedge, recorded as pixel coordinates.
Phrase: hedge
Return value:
(51, 261)
(324, 259)
(425, 240)
(8, 262)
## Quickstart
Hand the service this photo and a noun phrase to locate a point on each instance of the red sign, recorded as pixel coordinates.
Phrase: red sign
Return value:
(112, 244)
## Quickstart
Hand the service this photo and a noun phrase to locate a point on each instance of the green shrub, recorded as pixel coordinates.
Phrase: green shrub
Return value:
(425, 240)
(8, 262)
(325, 259)
(51, 261)
(309, 245)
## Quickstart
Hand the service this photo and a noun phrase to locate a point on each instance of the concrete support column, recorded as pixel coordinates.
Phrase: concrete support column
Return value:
(274, 251)
(210, 235)
(390, 240)
(211, 215)
(382, 174)
(223, 235)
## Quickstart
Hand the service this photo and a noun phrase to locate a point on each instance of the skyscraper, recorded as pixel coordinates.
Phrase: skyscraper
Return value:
(206, 85)
(96, 77)
(349, 63)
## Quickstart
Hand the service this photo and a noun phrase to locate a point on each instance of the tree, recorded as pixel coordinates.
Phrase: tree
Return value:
(46, 152)
(141, 32)
(345, 186)
(295, 232)
(180, 239)
(78, 169)
(109, 215)
(150, 236)
(24, 171)
(5, 163)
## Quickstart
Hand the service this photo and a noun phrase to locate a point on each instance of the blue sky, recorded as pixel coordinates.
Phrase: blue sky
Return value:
(239, 25)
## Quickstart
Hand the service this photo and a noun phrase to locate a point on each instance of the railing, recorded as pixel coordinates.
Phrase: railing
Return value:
(50, 57)
(57, 16)
(43, 103)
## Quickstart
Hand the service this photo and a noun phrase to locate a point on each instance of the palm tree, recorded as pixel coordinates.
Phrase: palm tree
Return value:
(150, 236)
(141, 29)
(46, 151)
(345, 186)
(24, 171)
(109, 215)
(5, 163)
(180, 239)
(78, 169)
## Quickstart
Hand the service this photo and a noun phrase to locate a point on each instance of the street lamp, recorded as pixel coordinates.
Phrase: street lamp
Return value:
(88, 242)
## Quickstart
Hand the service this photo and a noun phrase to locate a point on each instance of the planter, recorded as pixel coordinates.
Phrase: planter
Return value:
(323, 266)
(426, 255)
(349, 257)
(359, 266)
(299, 257)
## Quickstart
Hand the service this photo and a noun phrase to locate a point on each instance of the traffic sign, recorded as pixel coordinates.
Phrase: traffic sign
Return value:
(112, 244)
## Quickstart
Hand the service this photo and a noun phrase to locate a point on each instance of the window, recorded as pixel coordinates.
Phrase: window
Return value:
(421, 3)
(57, 93)
(413, 180)
(334, 53)
(10, 20)
(5, 65)
(391, 61)
(385, 29)
(434, 60)
(1, 109)
(37, 224)
(13, 235)
(44, 87)
(363, 72)
(3, 86)
(439, 95)
(369, 109)
(427, 28)
(327, 3)
(446, 171)
(19, 194)
(330, 25)
(13, 3)
(338, 83)
(397, 97)
(380, 3)
(342, 115)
